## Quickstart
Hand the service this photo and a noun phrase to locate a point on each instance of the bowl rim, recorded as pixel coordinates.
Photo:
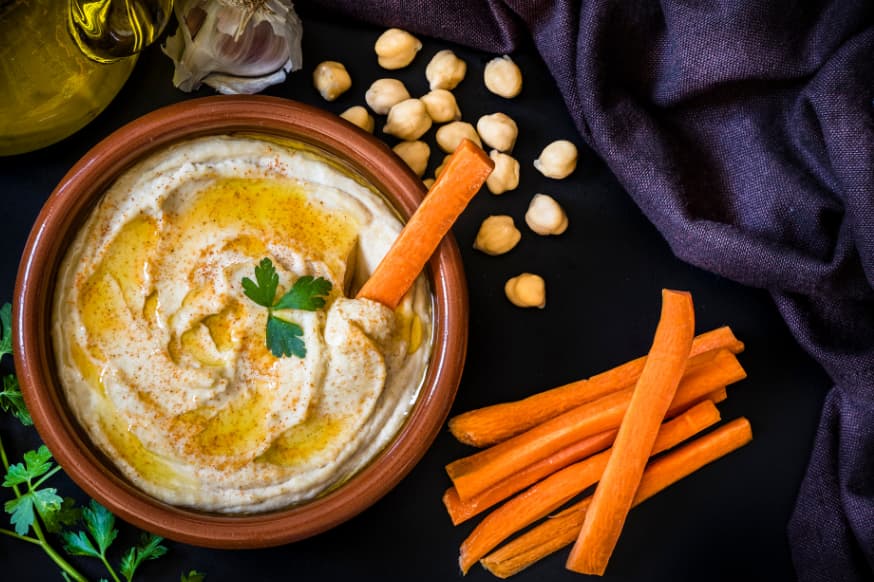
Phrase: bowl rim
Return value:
(73, 198)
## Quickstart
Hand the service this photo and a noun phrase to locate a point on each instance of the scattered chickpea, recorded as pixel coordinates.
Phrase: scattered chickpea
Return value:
(557, 160)
(445, 71)
(359, 116)
(428, 182)
(415, 154)
(498, 130)
(526, 290)
(331, 79)
(505, 176)
(442, 106)
(497, 235)
(503, 77)
(396, 48)
(383, 94)
(408, 120)
(450, 135)
(545, 216)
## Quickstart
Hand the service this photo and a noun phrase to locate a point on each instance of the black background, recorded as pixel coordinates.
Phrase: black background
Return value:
(726, 522)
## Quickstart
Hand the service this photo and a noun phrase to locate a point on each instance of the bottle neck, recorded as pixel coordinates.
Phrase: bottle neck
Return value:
(110, 30)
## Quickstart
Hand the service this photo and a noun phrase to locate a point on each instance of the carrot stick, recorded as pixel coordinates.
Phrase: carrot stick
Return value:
(475, 473)
(492, 424)
(562, 486)
(465, 172)
(461, 510)
(562, 529)
(653, 394)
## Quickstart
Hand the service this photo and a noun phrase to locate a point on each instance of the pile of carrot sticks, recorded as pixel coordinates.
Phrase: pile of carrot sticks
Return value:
(622, 431)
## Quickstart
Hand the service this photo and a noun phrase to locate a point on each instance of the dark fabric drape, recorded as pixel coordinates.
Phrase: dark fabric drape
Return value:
(744, 130)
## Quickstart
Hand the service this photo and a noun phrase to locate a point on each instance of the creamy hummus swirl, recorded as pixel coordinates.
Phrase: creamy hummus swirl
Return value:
(163, 357)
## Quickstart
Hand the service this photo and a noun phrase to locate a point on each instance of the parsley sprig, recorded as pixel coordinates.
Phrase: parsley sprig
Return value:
(10, 394)
(284, 338)
(36, 509)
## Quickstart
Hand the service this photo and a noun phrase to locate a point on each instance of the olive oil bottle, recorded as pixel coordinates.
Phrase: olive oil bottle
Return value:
(62, 62)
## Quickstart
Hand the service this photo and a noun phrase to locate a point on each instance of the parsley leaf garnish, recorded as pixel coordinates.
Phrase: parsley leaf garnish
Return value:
(149, 548)
(264, 291)
(193, 576)
(284, 338)
(306, 293)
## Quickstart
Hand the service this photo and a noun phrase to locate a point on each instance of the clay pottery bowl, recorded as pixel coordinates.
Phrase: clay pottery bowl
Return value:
(66, 210)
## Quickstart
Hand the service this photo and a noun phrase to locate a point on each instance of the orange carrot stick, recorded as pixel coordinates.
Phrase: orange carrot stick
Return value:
(564, 485)
(461, 510)
(492, 424)
(465, 172)
(475, 473)
(562, 529)
(653, 394)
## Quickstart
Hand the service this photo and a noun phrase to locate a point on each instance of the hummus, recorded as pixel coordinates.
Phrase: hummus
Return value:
(163, 357)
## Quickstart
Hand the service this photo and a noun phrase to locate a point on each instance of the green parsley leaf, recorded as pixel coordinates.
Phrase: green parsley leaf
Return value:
(101, 523)
(43, 501)
(21, 510)
(5, 329)
(149, 548)
(264, 291)
(36, 464)
(193, 576)
(11, 400)
(283, 338)
(306, 293)
(67, 515)
(78, 544)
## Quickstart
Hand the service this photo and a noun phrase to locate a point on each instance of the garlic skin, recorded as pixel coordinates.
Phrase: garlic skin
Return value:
(234, 46)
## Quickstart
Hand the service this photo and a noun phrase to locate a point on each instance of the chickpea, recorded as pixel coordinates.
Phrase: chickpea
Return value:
(545, 216)
(331, 79)
(498, 130)
(428, 182)
(359, 116)
(497, 235)
(383, 94)
(505, 175)
(396, 48)
(408, 120)
(526, 290)
(442, 106)
(415, 154)
(557, 160)
(445, 71)
(503, 77)
(450, 135)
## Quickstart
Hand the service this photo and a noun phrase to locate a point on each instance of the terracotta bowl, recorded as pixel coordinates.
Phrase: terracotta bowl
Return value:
(67, 208)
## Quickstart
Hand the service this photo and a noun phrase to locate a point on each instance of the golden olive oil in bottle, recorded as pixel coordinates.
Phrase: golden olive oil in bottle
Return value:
(49, 87)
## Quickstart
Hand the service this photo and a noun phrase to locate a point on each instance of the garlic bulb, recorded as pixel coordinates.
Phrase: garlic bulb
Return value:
(234, 46)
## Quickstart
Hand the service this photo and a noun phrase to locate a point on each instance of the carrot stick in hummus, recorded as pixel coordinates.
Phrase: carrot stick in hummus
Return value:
(464, 174)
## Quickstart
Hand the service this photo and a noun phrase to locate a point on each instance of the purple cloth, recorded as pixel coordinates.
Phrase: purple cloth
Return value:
(745, 131)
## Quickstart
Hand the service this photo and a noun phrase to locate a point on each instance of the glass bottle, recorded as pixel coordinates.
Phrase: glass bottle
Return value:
(61, 65)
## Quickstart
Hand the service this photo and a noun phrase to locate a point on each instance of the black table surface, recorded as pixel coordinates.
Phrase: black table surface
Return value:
(604, 275)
